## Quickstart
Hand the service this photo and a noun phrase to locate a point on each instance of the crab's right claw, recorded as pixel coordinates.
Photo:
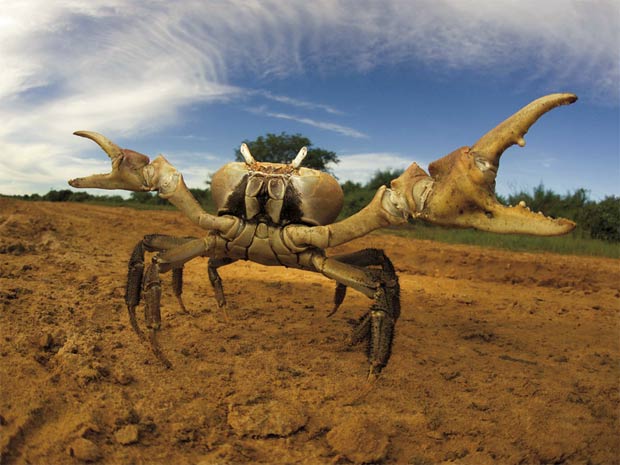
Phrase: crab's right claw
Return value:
(127, 167)
(461, 188)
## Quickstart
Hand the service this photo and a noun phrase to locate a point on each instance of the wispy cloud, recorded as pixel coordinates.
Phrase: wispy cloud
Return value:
(298, 102)
(326, 125)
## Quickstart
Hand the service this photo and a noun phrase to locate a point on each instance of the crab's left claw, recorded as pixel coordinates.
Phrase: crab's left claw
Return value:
(127, 167)
(461, 188)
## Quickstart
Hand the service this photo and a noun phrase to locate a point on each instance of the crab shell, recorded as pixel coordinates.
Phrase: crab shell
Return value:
(282, 192)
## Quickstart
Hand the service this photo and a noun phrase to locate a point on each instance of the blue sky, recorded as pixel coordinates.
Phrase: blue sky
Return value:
(381, 83)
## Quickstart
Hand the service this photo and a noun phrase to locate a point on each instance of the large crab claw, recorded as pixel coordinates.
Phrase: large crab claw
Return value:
(461, 189)
(131, 170)
(127, 167)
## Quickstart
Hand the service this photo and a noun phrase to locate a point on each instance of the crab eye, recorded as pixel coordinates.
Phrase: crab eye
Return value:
(276, 188)
(255, 184)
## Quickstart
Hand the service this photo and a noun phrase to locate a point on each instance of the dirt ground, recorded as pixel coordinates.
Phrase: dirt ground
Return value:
(499, 357)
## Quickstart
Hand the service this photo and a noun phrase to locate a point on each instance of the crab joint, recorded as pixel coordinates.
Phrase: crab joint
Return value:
(161, 176)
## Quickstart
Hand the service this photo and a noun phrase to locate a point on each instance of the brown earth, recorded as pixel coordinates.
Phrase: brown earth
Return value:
(499, 357)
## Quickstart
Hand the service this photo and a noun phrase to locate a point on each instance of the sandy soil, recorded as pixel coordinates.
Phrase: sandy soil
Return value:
(499, 357)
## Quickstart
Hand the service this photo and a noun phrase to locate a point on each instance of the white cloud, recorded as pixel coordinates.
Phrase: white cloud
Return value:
(326, 125)
(360, 167)
(297, 102)
(129, 67)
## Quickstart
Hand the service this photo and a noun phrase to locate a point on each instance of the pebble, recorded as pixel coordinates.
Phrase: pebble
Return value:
(45, 341)
(359, 440)
(84, 450)
(127, 435)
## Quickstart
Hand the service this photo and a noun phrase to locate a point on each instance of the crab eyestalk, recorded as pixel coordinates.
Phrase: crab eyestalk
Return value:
(247, 156)
(296, 163)
(461, 188)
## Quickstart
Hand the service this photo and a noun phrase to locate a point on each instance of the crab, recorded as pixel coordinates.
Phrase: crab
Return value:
(283, 215)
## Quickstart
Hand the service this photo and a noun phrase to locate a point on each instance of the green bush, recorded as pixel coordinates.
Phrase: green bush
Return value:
(603, 219)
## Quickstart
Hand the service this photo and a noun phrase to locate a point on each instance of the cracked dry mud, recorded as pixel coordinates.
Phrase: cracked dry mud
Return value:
(499, 357)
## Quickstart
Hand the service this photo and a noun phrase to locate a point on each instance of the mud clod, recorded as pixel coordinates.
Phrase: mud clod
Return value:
(359, 439)
(129, 434)
(45, 341)
(84, 450)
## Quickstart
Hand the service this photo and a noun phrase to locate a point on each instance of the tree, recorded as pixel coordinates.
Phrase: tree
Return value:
(603, 219)
(383, 178)
(284, 147)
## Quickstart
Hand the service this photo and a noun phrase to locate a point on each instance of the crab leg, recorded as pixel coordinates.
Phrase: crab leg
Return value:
(177, 286)
(216, 281)
(376, 326)
(151, 243)
(362, 258)
(162, 243)
(173, 253)
(152, 309)
(133, 288)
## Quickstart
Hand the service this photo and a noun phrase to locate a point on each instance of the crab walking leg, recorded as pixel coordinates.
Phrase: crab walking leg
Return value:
(172, 259)
(216, 281)
(161, 243)
(177, 287)
(152, 309)
(376, 326)
(364, 258)
(133, 289)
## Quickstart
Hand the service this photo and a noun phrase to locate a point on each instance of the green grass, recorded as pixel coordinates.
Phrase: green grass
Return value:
(570, 244)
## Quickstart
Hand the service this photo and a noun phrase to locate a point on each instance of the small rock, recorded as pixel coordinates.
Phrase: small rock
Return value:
(84, 450)
(271, 418)
(127, 435)
(359, 439)
(45, 341)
